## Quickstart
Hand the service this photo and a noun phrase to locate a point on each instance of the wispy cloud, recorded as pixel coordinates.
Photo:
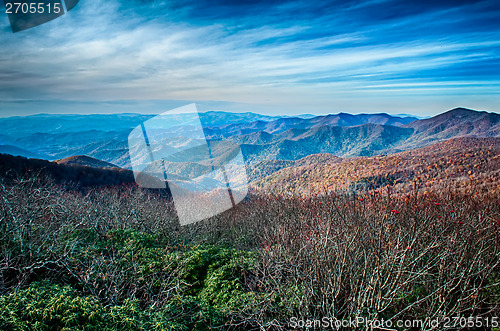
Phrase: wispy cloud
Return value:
(305, 57)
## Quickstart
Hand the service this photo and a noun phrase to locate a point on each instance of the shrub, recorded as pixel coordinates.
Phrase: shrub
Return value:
(44, 306)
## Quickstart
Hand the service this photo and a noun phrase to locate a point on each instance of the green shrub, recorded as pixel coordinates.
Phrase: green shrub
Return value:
(47, 307)
(210, 287)
(222, 286)
(44, 306)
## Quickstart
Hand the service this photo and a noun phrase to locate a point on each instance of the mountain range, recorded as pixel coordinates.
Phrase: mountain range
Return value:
(262, 138)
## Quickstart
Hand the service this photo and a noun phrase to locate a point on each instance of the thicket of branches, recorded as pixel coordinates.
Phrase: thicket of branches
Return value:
(259, 264)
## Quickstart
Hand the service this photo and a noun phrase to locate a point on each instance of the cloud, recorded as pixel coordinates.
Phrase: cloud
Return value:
(289, 54)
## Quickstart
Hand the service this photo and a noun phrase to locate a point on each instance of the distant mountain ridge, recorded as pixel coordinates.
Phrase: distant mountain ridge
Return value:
(284, 124)
(368, 139)
(261, 137)
(22, 126)
(362, 140)
(17, 151)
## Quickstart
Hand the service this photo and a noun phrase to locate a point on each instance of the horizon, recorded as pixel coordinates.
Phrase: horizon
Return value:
(401, 115)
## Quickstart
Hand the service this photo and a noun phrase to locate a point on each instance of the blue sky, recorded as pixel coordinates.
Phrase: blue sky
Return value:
(275, 57)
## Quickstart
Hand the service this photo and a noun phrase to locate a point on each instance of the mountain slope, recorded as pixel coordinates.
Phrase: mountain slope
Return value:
(467, 163)
(84, 160)
(266, 168)
(13, 167)
(458, 122)
(368, 139)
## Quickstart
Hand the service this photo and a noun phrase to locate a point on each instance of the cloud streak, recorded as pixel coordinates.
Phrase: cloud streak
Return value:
(296, 56)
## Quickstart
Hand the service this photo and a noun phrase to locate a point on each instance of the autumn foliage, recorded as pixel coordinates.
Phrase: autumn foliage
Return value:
(405, 236)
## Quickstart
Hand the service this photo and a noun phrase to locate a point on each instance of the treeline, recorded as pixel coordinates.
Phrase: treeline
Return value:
(14, 167)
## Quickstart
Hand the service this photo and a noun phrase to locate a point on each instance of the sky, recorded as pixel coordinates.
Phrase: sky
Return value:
(274, 57)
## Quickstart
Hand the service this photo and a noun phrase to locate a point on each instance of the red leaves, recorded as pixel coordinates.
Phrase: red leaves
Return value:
(394, 211)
